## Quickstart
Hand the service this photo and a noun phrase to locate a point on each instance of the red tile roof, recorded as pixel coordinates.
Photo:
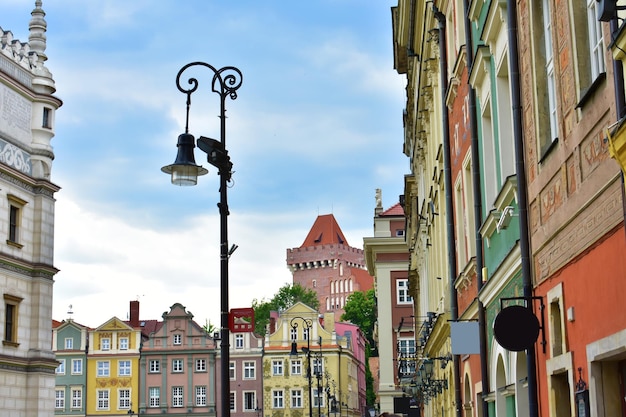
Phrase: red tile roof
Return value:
(395, 210)
(325, 231)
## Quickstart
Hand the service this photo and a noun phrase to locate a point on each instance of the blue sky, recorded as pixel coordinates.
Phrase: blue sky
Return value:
(316, 128)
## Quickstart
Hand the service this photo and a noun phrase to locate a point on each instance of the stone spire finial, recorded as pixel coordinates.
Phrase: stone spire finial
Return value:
(43, 81)
(37, 29)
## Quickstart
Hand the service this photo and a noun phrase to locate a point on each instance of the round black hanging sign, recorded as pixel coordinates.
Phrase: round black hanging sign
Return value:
(516, 328)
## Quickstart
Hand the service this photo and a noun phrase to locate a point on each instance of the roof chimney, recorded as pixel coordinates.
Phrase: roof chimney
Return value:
(134, 313)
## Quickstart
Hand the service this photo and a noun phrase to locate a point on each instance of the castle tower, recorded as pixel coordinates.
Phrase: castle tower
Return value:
(328, 265)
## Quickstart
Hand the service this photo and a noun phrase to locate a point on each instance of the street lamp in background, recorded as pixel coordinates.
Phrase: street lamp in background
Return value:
(307, 324)
(184, 171)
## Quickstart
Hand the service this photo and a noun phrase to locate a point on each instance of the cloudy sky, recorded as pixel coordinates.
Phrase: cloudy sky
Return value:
(316, 128)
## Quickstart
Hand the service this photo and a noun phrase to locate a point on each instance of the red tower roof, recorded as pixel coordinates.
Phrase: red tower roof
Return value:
(325, 231)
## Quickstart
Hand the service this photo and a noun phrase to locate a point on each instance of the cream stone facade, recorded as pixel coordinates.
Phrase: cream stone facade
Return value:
(27, 108)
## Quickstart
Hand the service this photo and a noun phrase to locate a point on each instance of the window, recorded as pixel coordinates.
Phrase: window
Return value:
(46, 121)
(154, 394)
(402, 292)
(249, 370)
(400, 233)
(596, 43)
(102, 369)
(123, 368)
(15, 217)
(102, 396)
(233, 402)
(124, 343)
(549, 68)
(77, 398)
(77, 366)
(239, 341)
(178, 339)
(232, 370)
(155, 366)
(318, 397)
(249, 401)
(61, 368)
(296, 398)
(318, 366)
(201, 395)
(406, 348)
(69, 343)
(177, 396)
(305, 333)
(59, 398)
(294, 333)
(105, 344)
(177, 365)
(11, 307)
(124, 399)
(296, 367)
(278, 400)
(200, 365)
(277, 367)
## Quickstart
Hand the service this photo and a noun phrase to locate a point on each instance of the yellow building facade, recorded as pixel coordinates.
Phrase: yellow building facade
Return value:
(113, 369)
(309, 369)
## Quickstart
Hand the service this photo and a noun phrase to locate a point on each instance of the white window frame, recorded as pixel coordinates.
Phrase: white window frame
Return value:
(77, 397)
(105, 344)
(278, 398)
(123, 343)
(318, 398)
(200, 365)
(296, 367)
(59, 398)
(178, 339)
(154, 394)
(177, 366)
(402, 291)
(200, 395)
(249, 370)
(550, 75)
(277, 367)
(249, 401)
(232, 370)
(154, 366)
(596, 40)
(296, 398)
(61, 368)
(177, 397)
(77, 366)
(239, 341)
(124, 368)
(69, 343)
(123, 399)
(406, 347)
(103, 398)
(233, 401)
(103, 369)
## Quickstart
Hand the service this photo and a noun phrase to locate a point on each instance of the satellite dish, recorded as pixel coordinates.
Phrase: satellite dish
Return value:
(516, 328)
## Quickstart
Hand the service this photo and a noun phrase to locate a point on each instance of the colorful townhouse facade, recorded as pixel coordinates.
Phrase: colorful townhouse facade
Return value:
(514, 110)
(69, 340)
(328, 265)
(27, 202)
(311, 369)
(387, 258)
(246, 373)
(177, 366)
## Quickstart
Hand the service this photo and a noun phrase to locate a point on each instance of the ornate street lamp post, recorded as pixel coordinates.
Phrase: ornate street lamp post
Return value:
(184, 171)
(307, 325)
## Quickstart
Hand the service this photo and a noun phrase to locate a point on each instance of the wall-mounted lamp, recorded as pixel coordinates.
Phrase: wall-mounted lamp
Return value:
(505, 218)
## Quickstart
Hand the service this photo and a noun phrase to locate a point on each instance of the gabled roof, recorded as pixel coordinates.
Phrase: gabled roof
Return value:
(395, 210)
(325, 231)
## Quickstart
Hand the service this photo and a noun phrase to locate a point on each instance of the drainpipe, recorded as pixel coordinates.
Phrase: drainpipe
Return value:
(478, 210)
(447, 165)
(522, 197)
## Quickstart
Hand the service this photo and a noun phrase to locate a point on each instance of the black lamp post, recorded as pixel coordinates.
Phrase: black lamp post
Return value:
(184, 171)
(308, 325)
